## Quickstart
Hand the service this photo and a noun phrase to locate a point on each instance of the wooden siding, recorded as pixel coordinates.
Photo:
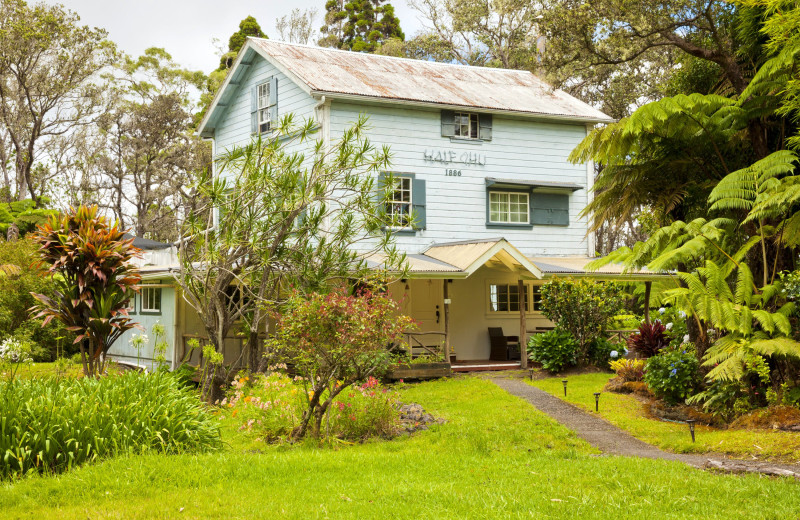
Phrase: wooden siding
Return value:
(456, 206)
(234, 129)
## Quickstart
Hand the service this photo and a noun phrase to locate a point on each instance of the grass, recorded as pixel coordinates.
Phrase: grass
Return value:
(496, 457)
(49, 370)
(628, 413)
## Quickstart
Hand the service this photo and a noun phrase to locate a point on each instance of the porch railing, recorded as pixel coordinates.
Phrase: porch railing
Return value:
(416, 347)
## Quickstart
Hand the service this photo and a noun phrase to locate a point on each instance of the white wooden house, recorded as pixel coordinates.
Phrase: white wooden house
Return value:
(480, 158)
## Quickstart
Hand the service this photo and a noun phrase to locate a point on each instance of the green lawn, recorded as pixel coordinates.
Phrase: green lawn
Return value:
(627, 412)
(496, 457)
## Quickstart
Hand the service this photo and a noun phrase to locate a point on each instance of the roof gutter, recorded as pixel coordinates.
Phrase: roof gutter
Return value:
(430, 104)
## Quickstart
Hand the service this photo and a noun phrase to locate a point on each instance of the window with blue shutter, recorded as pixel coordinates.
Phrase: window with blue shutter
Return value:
(466, 125)
(448, 123)
(550, 209)
(264, 106)
(406, 202)
(418, 203)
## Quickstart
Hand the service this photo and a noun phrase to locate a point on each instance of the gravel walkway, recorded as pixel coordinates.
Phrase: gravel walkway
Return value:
(613, 441)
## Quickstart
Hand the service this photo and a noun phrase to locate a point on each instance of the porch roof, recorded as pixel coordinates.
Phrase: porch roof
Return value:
(576, 266)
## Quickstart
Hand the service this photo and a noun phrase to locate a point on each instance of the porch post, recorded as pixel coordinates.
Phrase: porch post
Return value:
(647, 285)
(446, 295)
(523, 328)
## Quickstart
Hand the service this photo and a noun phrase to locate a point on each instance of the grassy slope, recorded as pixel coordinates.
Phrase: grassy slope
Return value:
(496, 457)
(627, 412)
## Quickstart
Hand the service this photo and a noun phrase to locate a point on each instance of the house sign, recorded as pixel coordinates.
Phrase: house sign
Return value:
(452, 156)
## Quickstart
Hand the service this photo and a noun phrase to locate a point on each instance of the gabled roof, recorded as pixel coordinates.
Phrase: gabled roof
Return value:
(575, 266)
(336, 73)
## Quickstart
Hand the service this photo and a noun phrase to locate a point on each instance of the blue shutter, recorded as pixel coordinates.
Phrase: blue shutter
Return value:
(418, 202)
(448, 123)
(485, 127)
(380, 184)
(273, 101)
(254, 110)
(550, 209)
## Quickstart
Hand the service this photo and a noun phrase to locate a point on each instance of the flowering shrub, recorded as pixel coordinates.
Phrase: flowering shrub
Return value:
(334, 340)
(628, 370)
(272, 405)
(674, 321)
(672, 374)
(649, 339)
(14, 353)
(603, 350)
(554, 349)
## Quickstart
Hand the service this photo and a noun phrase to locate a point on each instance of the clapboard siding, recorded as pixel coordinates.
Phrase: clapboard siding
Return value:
(520, 149)
(234, 130)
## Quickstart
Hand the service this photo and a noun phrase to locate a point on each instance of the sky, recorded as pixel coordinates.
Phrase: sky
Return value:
(186, 28)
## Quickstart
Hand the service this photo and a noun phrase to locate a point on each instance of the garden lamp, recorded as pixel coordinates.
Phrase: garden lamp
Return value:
(597, 401)
(691, 422)
(564, 382)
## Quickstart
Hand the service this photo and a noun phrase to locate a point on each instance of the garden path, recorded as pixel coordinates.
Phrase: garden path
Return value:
(612, 440)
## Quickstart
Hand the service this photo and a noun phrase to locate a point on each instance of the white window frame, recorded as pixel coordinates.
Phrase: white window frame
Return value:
(147, 294)
(508, 203)
(492, 286)
(264, 108)
(395, 207)
(472, 125)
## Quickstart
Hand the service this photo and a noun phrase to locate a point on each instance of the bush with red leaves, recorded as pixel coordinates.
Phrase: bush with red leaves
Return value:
(649, 339)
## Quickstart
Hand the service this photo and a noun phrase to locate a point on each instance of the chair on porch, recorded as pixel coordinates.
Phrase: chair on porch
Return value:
(503, 348)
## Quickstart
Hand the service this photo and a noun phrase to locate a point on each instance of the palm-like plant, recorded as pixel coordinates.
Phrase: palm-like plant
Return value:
(90, 261)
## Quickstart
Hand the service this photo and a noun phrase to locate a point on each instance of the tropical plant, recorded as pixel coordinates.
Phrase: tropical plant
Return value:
(51, 425)
(672, 374)
(628, 370)
(334, 340)
(581, 307)
(554, 349)
(602, 351)
(649, 339)
(90, 263)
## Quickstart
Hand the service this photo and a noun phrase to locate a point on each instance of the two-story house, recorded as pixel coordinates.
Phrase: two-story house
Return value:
(479, 156)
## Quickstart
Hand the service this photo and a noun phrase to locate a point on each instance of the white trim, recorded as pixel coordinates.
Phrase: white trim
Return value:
(509, 213)
(590, 237)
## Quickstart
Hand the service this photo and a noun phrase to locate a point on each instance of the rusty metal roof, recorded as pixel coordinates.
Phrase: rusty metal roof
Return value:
(335, 72)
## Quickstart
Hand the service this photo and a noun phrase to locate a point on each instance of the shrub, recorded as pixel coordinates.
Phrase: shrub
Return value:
(603, 350)
(723, 399)
(628, 370)
(272, 405)
(554, 349)
(672, 374)
(50, 425)
(649, 339)
(624, 322)
(582, 307)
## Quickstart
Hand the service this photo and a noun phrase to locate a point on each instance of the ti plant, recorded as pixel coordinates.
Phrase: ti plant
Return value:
(90, 261)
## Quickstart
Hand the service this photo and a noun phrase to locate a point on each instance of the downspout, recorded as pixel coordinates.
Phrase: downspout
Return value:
(175, 302)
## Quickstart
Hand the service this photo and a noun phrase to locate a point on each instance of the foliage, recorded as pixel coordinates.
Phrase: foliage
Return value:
(13, 353)
(674, 321)
(581, 307)
(52, 88)
(16, 300)
(271, 406)
(628, 370)
(649, 339)
(624, 322)
(297, 27)
(602, 351)
(53, 425)
(90, 262)
(359, 25)
(672, 374)
(247, 27)
(270, 218)
(790, 285)
(24, 214)
(334, 340)
(554, 349)
(723, 399)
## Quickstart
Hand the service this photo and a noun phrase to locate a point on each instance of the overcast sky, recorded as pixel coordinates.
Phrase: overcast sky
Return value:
(185, 28)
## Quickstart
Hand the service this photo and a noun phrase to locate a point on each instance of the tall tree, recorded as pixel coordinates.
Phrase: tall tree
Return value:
(297, 27)
(49, 83)
(359, 25)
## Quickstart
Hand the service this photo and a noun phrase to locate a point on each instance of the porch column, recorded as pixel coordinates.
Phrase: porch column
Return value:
(523, 328)
(446, 295)
(647, 286)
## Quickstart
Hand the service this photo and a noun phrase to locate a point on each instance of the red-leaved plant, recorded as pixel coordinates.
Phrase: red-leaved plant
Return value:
(90, 261)
(649, 339)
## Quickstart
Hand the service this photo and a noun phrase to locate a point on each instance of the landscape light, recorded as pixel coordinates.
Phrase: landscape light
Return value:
(691, 422)
(597, 401)
(564, 382)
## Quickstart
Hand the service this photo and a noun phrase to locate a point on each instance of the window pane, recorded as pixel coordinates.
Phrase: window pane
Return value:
(502, 298)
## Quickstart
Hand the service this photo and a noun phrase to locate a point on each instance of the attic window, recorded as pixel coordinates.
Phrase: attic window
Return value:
(263, 108)
(466, 125)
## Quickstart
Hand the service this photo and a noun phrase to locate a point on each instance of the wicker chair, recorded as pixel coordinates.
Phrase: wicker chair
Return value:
(503, 348)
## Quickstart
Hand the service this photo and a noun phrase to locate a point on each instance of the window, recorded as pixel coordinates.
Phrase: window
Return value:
(506, 207)
(399, 206)
(264, 108)
(151, 300)
(466, 125)
(505, 298)
(537, 297)
(131, 307)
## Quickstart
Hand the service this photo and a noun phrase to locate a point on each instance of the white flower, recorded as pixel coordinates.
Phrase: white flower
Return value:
(686, 338)
(614, 354)
(662, 310)
(682, 315)
(668, 326)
